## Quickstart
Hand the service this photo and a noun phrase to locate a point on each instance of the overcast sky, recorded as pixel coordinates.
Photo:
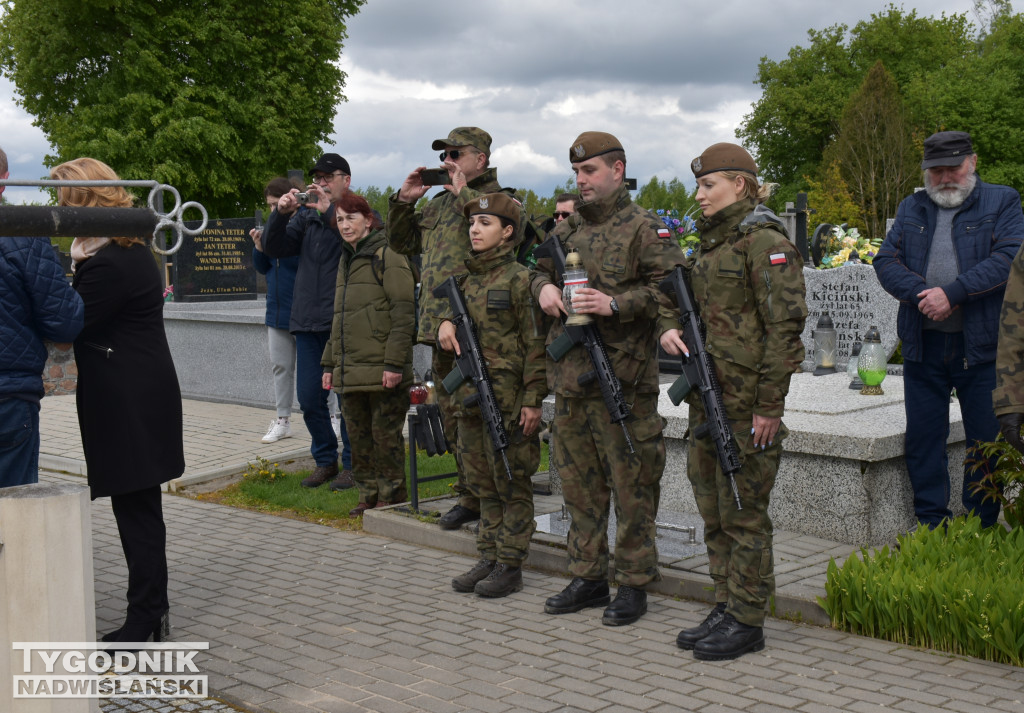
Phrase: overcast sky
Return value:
(667, 77)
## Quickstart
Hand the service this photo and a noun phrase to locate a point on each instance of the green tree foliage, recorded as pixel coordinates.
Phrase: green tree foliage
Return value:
(832, 201)
(874, 151)
(213, 97)
(657, 194)
(377, 198)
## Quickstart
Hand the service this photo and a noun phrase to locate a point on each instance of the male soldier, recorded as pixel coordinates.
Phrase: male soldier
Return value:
(946, 259)
(440, 232)
(1008, 397)
(625, 258)
(565, 205)
(38, 303)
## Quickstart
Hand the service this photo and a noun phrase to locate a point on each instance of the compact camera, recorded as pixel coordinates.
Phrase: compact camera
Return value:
(304, 198)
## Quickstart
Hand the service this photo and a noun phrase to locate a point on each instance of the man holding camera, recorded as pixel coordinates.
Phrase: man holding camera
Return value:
(441, 233)
(310, 236)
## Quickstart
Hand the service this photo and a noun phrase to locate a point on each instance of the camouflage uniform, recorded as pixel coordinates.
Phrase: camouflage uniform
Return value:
(511, 332)
(372, 332)
(747, 280)
(441, 233)
(625, 257)
(1008, 396)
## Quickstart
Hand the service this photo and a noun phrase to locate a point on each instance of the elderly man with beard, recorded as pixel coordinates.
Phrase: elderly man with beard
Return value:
(947, 259)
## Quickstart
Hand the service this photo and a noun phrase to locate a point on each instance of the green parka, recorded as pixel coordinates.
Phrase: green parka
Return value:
(374, 317)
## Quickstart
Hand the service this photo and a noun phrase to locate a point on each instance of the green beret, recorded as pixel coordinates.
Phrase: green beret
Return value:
(592, 143)
(499, 204)
(723, 157)
(465, 136)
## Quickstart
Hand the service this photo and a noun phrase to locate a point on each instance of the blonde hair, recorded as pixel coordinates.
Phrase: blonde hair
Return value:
(90, 169)
(752, 190)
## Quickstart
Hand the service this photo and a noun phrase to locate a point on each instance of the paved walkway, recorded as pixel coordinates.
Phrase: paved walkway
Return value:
(303, 618)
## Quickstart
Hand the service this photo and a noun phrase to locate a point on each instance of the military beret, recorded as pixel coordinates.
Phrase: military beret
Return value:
(465, 136)
(499, 204)
(946, 148)
(723, 157)
(592, 143)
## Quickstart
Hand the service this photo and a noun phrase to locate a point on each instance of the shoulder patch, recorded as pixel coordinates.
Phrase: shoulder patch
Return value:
(777, 259)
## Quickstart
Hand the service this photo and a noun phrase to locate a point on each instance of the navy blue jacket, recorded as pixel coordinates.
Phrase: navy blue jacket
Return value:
(280, 272)
(318, 246)
(36, 303)
(987, 231)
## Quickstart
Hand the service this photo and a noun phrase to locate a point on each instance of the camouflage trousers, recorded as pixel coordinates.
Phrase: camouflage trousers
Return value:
(374, 420)
(594, 462)
(739, 541)
(441, 365)
(506, 506)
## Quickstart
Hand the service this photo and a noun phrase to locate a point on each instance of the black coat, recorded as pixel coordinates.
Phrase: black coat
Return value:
(129, 402)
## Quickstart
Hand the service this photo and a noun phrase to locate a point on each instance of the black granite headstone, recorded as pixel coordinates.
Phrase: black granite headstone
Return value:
(215, 265)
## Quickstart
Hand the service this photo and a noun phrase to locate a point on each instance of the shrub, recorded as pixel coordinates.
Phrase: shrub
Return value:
(1005, 482)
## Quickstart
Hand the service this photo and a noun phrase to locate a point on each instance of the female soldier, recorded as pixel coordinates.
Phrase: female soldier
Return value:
(747, 281)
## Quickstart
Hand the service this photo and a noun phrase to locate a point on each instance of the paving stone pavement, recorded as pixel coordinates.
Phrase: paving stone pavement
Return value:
(302, 618)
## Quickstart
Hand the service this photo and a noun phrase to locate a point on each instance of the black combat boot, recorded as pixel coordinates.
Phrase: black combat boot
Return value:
(466, 582)
(688, 638)
(580, 594)
(629, 605)
(457, 517)
(503, 580)
(730, 640)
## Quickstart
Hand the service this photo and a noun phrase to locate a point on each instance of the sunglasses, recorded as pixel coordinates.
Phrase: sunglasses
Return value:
(453, 154)
(562, 214)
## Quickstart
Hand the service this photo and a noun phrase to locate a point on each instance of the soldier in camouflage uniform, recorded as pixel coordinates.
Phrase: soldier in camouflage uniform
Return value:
(440, 232)
(1008, 396)
(626, 252)
(511, 332)
(747, 281)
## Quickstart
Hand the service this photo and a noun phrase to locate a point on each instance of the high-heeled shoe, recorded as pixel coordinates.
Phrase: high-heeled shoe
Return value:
(159, 631)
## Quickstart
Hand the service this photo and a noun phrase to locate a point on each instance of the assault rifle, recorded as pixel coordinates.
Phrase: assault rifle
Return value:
(470, 366)
(699, 373)
(590, 338)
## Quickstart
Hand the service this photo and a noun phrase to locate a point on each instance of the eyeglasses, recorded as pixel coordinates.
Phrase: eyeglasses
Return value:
(327, 178)
(454, 154)
(561, 214)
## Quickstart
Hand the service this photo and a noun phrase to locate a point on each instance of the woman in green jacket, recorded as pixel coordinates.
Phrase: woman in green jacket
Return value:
(368, 359)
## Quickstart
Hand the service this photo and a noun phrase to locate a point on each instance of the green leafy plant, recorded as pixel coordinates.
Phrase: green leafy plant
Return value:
(1004, 483)
(958, 589)
(263, 471)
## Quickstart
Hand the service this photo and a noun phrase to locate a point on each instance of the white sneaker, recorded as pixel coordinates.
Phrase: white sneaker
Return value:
(336, 425)
(279, 428)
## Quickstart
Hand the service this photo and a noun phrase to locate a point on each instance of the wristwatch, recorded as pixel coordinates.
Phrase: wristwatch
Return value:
(614, 305)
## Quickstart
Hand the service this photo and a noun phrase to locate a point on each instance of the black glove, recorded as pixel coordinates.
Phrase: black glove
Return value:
(1009, 426)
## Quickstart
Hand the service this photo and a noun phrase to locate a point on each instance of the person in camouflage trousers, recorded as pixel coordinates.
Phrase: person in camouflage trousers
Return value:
(626, 252)
(368, 358)
(747, 282)
(511, 331)
(1008, 396)
(440, 232)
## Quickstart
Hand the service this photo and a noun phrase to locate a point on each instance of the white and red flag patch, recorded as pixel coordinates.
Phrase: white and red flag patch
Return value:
(663, 232)
(777, 258)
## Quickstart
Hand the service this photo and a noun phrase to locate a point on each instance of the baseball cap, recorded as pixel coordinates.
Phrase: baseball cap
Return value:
(465, 136)
(331, 162)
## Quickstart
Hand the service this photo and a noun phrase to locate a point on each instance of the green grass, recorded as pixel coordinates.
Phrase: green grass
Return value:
(285, 496)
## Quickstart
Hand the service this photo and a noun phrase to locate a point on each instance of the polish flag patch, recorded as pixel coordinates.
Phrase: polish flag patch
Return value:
(663, 232)
(777, 258)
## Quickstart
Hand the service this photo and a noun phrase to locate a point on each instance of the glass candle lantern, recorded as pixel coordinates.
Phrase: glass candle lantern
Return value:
(851, 367)
(575, 279)
(824, 346)
(871, 363)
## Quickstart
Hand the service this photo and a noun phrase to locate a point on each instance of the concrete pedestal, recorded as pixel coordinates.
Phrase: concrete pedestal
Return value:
(46, 583)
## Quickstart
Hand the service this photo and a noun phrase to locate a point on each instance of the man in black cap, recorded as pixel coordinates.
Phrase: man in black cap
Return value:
(310, 236)
(946, 259)
(440, 232)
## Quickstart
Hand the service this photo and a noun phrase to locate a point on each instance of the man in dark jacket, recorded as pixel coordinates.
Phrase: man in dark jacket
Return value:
(947, 259)
(310, 236)
(36, 303)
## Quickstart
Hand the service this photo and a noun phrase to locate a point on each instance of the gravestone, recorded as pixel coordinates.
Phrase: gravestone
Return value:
(215, 265)
(854, 299)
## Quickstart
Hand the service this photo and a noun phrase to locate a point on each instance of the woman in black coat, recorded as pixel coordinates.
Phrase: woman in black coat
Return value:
(129, 403)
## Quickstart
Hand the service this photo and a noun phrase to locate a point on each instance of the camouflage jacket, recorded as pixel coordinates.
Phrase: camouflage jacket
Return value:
(372, 330)
(1008, 396)
(510, 328)
(625, 256)
(441, 233)
(747, 280)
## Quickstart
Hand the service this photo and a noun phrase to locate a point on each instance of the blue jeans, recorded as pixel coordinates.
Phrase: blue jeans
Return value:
(927, 386)
(309, 348)
(19, 442)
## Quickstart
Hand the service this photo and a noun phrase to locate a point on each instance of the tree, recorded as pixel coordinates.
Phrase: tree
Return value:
(213, 97)
(657, 194)
(831, 200)
(875, 151)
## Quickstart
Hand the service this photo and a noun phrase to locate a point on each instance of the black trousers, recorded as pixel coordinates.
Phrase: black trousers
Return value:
(140, 522)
